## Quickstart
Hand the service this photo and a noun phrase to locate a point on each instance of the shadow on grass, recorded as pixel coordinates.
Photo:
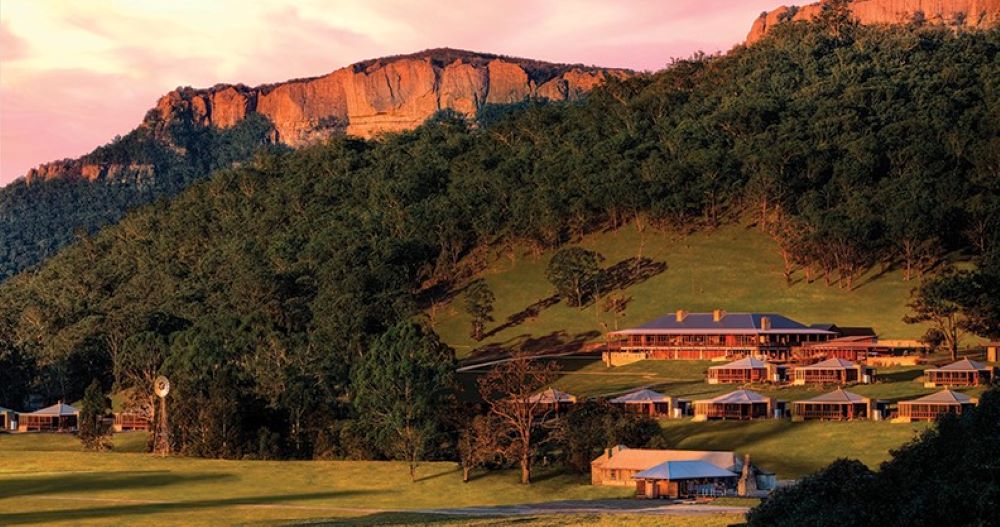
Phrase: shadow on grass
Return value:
(630, 272)
(412, 518)
(901, 376)
(436, 475)
(99, 481)
(526, 314)
(140, 509)
(722, 435)
(555, 342)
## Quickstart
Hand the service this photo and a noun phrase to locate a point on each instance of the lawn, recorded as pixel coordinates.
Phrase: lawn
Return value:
(734, 268)
(793, 450)
(47, 478)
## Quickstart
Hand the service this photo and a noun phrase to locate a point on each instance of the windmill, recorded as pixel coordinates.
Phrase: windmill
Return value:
(161, 434)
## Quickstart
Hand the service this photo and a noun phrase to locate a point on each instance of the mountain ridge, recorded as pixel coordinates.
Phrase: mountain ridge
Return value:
(972, 14)
(366, 98)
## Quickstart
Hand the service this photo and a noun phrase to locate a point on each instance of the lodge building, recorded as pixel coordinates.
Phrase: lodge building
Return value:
(715, 335)
(679, 473)
(59, 417)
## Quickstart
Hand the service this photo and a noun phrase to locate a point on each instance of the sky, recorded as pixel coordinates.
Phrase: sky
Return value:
(73, 74)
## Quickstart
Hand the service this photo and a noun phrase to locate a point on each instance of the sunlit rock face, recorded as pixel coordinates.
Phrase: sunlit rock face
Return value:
(384, 95)
(978, 14)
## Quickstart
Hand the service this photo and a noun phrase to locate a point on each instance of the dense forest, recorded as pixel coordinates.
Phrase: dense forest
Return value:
(258, 290)
(37, 218)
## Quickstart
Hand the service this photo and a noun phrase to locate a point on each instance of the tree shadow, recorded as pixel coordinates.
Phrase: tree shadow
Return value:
(139, 509)
(900, 376)
(408, 519)
(99, 481)
(436, 475)
(630, 272)
(553, 343)
(529, 313)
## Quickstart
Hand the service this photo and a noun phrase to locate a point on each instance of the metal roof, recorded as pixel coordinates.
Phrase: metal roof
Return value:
(742, 364)
(678, 470)
(550, 396)
(738, 397)
(58, 409)
(623, 458)
(830, 364)
(837, 396)
(641, 396)
(943, 397)
(964, 365)
(730, 323)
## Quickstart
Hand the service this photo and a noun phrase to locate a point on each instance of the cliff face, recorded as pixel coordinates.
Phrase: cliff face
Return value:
(384, 95)
(364, 99)
(77, 168)
(978, 14)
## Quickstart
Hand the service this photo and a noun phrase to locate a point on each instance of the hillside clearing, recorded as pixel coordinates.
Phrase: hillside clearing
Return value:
(735, 268)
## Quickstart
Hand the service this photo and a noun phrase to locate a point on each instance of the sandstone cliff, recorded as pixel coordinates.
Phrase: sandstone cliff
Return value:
(78, 168)
(383, 95)
(979, 14)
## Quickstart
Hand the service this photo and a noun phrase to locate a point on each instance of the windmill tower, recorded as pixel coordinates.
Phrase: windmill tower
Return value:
(161, 433)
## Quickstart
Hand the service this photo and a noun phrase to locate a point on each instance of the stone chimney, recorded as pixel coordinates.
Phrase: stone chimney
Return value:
(717, 315)
(747, 484)
(681, 315)
(765, 323)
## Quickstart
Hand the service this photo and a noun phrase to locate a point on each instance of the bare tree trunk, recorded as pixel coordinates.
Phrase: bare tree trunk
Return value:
(525, 468)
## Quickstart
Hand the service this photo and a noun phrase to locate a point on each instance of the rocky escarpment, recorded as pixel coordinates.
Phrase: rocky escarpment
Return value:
(90, 171)
(977, 14)
(382, 95)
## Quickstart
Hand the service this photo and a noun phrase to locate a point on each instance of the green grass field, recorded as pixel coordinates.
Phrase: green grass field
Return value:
(734, 268)
(46, 479)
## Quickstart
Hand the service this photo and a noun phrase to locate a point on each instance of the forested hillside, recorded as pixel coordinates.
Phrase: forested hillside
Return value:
(855, 147)
(40, 215)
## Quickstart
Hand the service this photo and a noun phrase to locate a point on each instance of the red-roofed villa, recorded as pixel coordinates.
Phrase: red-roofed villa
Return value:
(962, 373)
(56, 418)
(838, 405)
(930, 407)
(745, 371)
(739, 405)
(833, 371)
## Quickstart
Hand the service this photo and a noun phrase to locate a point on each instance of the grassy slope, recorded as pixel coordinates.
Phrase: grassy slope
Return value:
(733, 268)
(790, 449)
(51, 473)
